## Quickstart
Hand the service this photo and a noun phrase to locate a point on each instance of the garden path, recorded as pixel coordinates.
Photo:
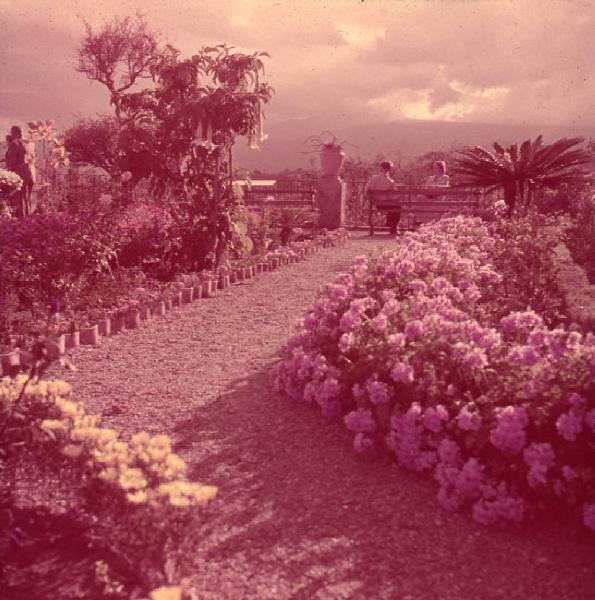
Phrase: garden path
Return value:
(299, 514)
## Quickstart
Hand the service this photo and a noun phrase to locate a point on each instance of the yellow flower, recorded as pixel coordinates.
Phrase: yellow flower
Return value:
(59, 387)
(109, 474)
(175, 466)
(161, 442)
(141, 439)
(85, 433)
(86, 421)
(72, 451)
(107, 458)
(53, 425)
(204, 493)
(108, 435)
(158, 454)
(167, 593)
(142, 456)
(180, 501)
(68, 408)
(138, 497)
(132, 479)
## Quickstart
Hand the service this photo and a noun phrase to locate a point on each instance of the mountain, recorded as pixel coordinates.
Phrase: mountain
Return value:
(396, 140)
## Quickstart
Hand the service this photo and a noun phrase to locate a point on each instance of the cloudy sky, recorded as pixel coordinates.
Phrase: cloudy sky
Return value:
(497, 61)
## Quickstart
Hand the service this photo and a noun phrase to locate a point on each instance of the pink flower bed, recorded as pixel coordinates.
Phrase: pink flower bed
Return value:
(411, 350)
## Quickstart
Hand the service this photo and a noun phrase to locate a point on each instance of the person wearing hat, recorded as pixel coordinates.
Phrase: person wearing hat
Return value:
(20, 159)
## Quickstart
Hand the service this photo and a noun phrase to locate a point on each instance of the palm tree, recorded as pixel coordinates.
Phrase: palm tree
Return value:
(517, 170)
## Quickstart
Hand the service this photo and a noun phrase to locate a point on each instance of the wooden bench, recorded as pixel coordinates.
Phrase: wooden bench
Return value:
(273, 197)
(422, 204)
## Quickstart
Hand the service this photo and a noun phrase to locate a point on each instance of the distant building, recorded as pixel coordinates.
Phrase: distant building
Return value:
(256, 183)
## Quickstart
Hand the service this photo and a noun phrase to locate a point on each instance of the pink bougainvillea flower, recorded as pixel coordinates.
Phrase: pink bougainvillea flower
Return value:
(402, 372)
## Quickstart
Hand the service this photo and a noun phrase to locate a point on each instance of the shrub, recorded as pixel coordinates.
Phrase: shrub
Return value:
(143, 230)
(9, 182)
(524, 254)
(132, 495)
(45, 256)
(413, 349)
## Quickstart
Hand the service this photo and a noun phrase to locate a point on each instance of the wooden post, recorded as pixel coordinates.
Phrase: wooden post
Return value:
(371, 214)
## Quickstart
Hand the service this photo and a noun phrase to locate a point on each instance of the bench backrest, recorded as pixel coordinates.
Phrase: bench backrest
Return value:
(411, 195)
(421, 204)
(280, 197)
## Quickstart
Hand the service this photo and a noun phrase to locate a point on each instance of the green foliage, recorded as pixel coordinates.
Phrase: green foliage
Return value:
(524, 254)
(130, 501)
(518, 169)
(191, 117)
(94, 142)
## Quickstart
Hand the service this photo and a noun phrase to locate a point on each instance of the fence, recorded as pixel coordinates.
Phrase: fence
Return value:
(71, 190)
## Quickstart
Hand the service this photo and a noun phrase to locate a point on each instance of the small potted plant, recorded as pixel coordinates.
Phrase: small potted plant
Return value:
(330, 151)
(9, 357)
(89, 327)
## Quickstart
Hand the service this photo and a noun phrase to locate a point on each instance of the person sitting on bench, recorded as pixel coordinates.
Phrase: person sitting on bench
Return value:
(438, 178)
(382, 181)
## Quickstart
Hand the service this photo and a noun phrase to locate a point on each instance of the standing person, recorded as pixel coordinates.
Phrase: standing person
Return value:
(6, 153)
(382, 181)
(20, 158)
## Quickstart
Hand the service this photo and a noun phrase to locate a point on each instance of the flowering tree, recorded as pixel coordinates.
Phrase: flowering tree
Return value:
(517, 169)
(118, 56)
(189, 121)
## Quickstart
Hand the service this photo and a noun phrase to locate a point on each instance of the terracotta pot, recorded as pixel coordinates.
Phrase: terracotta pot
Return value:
(187, 295)
(10, 361)
(118, 323)
(56, 346)
(145, 313)
(72, 340)
(105, 326)
(90, 335)
(331, 160)
(25, 359)
(176, 299)
(132, 319)
(158, 308)
(207, 288)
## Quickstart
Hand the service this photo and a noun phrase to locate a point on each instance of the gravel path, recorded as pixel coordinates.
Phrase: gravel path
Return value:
(299, 514)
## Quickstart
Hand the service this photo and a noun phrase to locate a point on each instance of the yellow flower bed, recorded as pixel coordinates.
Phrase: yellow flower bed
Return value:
(145, 469)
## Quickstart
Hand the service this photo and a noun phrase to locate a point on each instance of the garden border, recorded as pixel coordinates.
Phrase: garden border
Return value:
(202, 287)
(578, 292)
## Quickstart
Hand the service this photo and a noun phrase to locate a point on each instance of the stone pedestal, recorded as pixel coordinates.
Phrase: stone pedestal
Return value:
(331, 197)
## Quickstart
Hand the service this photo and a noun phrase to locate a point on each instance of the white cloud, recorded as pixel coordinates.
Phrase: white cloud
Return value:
(361, 37)
(505, 60)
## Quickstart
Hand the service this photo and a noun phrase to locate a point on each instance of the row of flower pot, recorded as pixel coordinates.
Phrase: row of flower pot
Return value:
(194, 290)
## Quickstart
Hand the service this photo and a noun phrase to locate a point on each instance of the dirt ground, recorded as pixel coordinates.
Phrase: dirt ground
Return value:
(299, 514)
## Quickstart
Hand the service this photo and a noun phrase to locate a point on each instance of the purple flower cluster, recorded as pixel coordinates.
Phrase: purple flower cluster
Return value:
(406, 347)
